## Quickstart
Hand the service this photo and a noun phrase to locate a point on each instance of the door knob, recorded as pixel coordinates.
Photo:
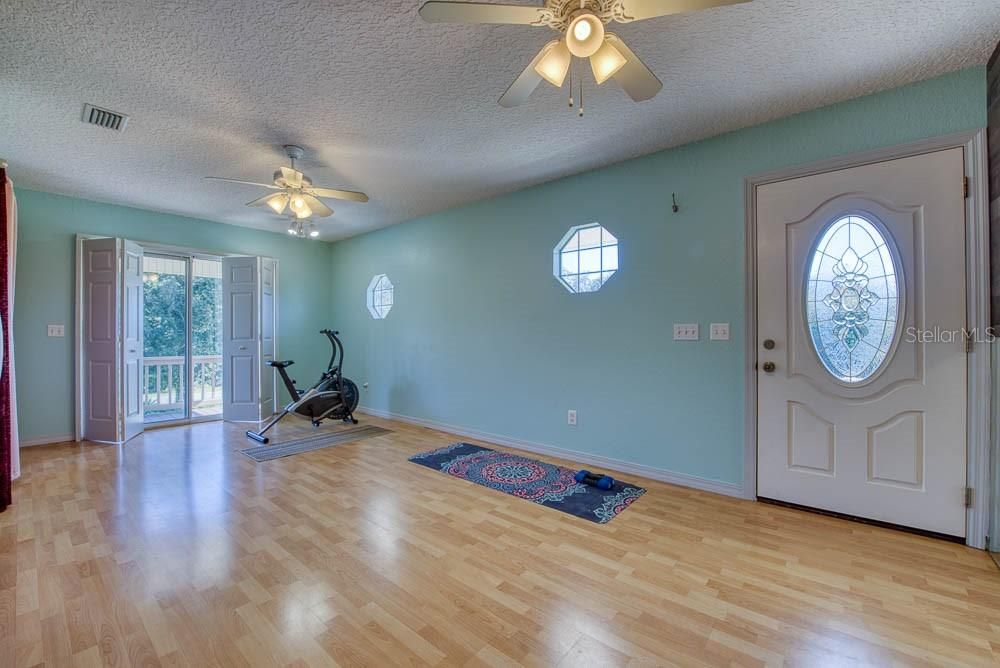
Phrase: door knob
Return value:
(768, 344)
(768, 367)
(243, 347)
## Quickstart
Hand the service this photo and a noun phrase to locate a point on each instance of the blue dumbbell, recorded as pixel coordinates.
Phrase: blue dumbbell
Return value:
(598, 480)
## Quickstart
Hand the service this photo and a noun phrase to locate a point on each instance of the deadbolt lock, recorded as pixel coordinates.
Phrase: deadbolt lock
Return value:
(768, 344)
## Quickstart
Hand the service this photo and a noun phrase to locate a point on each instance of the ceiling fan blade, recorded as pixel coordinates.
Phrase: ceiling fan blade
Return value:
(480, 12)
(634, 76)
(637, 10)
(292, 177)
(261, 201)
(316, 206)
(249, 183)
(519, 91)
(338, 194)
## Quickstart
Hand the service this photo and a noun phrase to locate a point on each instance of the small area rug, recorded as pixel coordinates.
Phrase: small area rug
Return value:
(546, 484)
(263, 453)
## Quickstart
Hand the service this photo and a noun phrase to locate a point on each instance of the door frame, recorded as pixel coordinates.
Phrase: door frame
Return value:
(977, 306)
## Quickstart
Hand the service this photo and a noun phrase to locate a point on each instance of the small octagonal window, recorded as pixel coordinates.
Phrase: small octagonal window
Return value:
(380, 296)
(585, 258)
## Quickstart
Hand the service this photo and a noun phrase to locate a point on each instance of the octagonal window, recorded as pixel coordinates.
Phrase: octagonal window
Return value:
(380, 296)
(585, 258)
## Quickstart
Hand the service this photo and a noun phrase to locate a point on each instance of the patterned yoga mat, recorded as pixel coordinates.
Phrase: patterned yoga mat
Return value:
(545, 484)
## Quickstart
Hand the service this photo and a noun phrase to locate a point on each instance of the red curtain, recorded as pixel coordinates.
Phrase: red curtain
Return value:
(6, 390)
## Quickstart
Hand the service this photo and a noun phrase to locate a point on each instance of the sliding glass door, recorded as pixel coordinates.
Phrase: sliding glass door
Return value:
(206, 338)
(165, 339)
(182, 331)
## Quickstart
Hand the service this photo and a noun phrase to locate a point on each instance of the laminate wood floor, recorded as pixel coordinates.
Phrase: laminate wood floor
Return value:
(176, 550)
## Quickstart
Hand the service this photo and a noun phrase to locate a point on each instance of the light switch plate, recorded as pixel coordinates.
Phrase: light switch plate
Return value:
(686, 332)
(719, 331)
(57, 330)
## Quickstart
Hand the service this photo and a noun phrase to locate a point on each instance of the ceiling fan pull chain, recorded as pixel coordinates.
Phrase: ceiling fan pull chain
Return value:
(581, 97)
(571, 85)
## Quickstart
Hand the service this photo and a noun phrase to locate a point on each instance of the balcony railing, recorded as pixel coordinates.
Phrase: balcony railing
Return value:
(164, 381)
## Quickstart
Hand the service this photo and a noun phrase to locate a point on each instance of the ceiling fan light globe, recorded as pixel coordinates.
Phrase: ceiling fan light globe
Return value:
(605, 62)
(555, 64)
(278, 202)
(584, 40)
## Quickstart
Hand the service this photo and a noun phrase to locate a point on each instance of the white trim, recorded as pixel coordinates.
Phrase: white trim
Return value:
(47, 440)
(78, 341)
(977, 310)
(978, 317)
(662, 475)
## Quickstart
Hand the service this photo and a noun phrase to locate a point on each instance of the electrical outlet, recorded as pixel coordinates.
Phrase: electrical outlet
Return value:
(571, 417)
(57, 330)
(719, 331)
(686, 332)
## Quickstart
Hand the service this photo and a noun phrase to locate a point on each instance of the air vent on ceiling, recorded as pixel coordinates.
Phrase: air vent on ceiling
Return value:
(104, 118)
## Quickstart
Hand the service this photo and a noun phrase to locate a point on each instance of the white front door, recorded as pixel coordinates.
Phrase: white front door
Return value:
(861, 358)
(241, 340)
(132, 340)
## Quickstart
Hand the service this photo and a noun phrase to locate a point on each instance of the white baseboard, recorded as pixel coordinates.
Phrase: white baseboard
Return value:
(46, 440)
(662, 475)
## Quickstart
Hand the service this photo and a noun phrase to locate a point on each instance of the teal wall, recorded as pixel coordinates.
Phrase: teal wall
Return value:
(44, 291)
(483, 337)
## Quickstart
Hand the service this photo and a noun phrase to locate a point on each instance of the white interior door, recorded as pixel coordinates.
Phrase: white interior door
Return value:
(267, 319)
(132, 342)
(861, 310)
(101, 339)
(241, 355)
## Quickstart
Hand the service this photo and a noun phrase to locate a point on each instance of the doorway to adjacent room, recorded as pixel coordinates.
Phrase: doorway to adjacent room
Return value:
(182, 338)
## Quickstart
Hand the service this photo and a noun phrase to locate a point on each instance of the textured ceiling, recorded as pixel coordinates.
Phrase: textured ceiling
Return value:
(406, 111)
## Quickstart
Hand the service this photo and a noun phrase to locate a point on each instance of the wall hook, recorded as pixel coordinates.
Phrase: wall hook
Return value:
(676, 208)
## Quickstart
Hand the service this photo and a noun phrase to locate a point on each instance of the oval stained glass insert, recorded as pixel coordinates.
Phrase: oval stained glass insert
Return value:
(852, 299)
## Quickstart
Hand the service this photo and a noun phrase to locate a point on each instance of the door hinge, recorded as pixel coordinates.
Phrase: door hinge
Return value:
(965, 187)
(969, 496)
(967, 340)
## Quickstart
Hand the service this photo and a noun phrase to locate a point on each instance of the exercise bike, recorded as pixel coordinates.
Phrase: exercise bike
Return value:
(333, 397)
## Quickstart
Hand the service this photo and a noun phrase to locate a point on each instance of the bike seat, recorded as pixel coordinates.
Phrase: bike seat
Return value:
(280, 365)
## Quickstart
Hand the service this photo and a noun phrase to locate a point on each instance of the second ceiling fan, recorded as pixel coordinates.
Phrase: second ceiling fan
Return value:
(296, 192)
(581, 23)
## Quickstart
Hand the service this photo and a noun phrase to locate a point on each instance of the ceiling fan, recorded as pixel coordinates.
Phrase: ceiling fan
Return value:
(581, 23)
(297, 192)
